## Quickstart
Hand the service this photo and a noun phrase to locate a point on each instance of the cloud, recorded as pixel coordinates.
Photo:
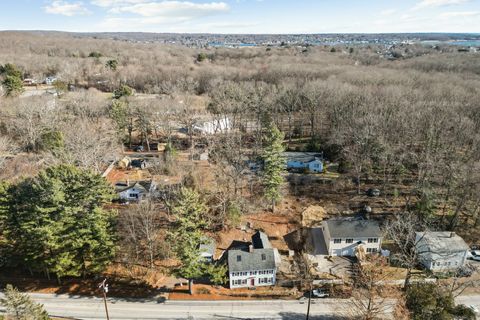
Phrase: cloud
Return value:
(180, 9)
(462, 14)
(437, 3)
(115, 3)
(66, 8)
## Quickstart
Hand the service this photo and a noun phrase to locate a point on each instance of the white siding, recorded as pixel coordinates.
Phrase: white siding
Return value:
(132, 194)
(252, 278)
(348, 249)
(441, 263)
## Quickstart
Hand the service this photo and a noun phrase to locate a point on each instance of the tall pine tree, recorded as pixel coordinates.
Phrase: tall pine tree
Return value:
(56, 222)
(189, 210)
(274, 164)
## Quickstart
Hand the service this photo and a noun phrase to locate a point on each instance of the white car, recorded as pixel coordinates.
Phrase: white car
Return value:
(474, 309)
(474, 255)
(316, 293)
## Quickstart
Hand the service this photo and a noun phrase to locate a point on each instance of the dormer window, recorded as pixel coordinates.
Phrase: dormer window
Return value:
(264, 257)
(239, 258)
(337, 240)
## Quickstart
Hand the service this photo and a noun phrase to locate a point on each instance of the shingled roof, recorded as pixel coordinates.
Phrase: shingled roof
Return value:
(440, 242)
(239, 260)
(353, 228)
(304, 157)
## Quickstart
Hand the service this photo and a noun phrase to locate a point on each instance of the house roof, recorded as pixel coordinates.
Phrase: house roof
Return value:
(440, 242)
(304, 157)
(260, 241)
(353, 228)
(251, 260)
(143, 186)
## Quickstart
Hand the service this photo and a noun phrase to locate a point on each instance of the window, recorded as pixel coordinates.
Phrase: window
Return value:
(372, 240)
(337, 240)
(264, 256)
(244, 281)
(371, 250)
(349, 240)
(239, 258)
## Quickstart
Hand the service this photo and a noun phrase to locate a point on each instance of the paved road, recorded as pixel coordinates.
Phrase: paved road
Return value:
(93, 308)
(470, 300)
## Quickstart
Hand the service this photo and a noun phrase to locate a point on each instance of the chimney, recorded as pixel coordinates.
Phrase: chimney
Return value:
(452, 234)
(250, 248)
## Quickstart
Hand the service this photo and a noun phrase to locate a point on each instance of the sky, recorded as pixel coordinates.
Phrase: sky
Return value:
(242, 16)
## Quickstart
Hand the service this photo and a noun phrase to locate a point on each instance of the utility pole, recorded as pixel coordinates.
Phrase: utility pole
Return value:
(309, 300)
(104, 286)
(309, 280)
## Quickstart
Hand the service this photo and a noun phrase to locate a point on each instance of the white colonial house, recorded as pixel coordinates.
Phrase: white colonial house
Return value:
(441, 251)
(345, 237)
(255, 266)
(311, 161)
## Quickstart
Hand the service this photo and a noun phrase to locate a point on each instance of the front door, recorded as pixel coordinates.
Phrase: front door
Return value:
(252, 282)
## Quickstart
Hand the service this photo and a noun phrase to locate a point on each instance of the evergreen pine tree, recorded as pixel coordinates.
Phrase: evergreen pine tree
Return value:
(189, 211)
(19, 306)
(13, 85)
(56, 222)
(274, 164)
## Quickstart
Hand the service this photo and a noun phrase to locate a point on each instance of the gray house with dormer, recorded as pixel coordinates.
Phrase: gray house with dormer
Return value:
(252, 267)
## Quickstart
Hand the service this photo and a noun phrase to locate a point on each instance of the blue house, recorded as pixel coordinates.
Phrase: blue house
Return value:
(311, 161)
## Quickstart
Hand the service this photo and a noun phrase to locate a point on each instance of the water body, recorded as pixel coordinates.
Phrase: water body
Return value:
(461, 43)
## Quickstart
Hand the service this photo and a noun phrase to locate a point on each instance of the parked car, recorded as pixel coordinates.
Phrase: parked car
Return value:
(474, 255)
(372, 192)
(139, 149)
(318, 293)
(474, 309)
(476, 258)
